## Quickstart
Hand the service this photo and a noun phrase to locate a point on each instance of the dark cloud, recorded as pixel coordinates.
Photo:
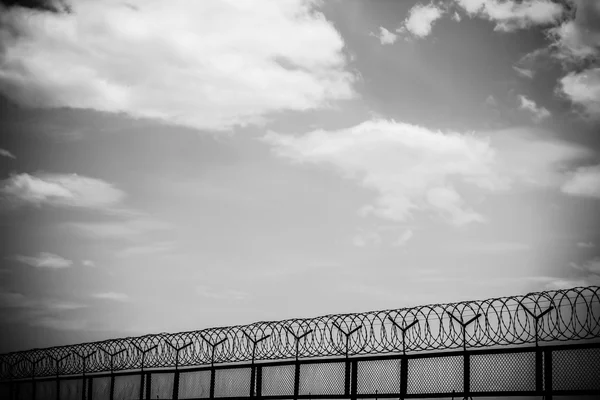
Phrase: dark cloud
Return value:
(57, 6)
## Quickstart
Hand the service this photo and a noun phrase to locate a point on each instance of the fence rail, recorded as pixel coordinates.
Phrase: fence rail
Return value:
(550, 316)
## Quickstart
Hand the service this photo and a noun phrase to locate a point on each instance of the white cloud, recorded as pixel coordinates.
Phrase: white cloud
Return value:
(111, 296)
(491, 101)
(59, 190)
(421, 19)
(150, 249)
(524, 72)
(491, 247)
(578, 39)
(412, 168)
(583, 89)
(224, 294)
(539, 113)
(590, 266)
(510, 15)
(367, 238)
(44, 260)
(88, 263)
(126, 229)
(585, 245)
(385, 36)
(208, 65)
(6, 153)
(404, 238)
(583, 182)
(456, 17)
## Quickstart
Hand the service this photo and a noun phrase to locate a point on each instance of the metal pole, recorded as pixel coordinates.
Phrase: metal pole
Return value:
(212, 363)
(142, 367)
(297, 366)
(539, 357)
(347, 374)
(466, 356)
(57, 362)
(253, 370)
(404, 359)
(176, 377)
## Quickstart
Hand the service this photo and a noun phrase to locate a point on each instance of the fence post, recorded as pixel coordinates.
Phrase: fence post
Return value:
(85, 383)
(539, 358)
(404, 359)
(466, 356)
(297, 365)
(57, 362)
(142, 368)
(112, 371)
(33, 363)
(253, 370)
(548, 374)
(176, 377)
(348, 365)
(212, 363)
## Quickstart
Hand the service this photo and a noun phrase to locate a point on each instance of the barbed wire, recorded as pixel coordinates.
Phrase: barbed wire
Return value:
(558, 315)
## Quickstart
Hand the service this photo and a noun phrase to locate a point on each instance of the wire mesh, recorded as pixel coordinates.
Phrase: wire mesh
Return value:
(4, 390)
(575, 315)
(101, 388)
(194, 385)
(24, 390)
(576, 369)
(71, 389)
(382, 376)
(435, 375)
(161, 386)
(127, 387)
(278, 380)
(44, 390)
(232, 382)
(503, 372)
(327, 378)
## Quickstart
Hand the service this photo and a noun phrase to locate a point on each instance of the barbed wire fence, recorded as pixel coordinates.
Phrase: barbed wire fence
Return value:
(549, 316)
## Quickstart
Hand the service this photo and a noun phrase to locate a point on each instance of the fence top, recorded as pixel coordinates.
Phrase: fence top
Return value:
(549, 316)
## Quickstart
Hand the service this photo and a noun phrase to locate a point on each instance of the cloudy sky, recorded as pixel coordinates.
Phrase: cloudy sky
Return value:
(178, 165)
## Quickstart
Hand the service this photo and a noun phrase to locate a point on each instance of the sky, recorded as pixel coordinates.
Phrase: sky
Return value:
(180, 165)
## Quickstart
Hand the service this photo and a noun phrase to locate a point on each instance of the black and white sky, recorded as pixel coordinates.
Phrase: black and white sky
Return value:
(177, 165)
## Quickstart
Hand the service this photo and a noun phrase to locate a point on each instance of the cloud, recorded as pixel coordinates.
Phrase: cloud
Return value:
(59, 190)
(112, 296)
(456, 17)
(225, 294)
(578, 38)
(44, 260)
(583, 182)
(511, 15)
(491, 247)
(539, 113)
(385, 36)
(524, 72)
(585, 245)
(412, 168)
(583, 90)
(125, 229)
(590, 266)
(421, 19)
(367, 238)
(88, 263)
(491, 101)
(151, 249)
(6, 153)
(222, 64)
(404, 238)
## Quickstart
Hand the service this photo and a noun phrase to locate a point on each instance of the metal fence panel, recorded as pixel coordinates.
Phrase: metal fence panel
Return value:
(232, 382)
(576, 369)
(194, 385)
(70, 389)
(503, 372)
(278, 380)
(435, 375)
(327, 378)
(161, 385)
(101, 388)
(24, 390)
(127, 387)
(382, 376)
(45, 390)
